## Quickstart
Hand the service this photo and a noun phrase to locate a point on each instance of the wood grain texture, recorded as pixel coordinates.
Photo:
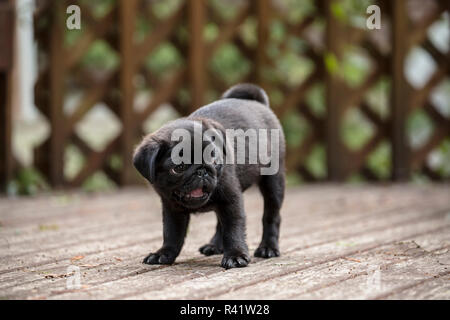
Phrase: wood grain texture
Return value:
(337, 242)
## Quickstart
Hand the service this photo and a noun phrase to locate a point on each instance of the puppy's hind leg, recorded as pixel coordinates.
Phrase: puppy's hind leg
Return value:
(272, 189)
(215, 246)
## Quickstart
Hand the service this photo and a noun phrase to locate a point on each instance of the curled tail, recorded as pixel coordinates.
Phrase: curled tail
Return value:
(247, 91)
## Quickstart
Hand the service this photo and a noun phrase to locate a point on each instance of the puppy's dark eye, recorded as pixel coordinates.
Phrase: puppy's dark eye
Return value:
(178, 169)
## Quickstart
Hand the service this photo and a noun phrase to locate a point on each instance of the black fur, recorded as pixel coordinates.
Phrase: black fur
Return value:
(247, 91)
(244, 107)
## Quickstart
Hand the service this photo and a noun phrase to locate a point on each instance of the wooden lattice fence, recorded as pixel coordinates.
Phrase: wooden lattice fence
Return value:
(264, 34)
(6, 58)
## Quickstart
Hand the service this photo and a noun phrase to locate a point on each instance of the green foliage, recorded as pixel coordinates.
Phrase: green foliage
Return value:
(293, 179)
(164, 59)
(419, 128)
(338, 11)
(356, 130)
(295, 128)
(296, 10)
(99, 8)
(443, 162)
(28, 181)
(229, 64)
(211, 32)
(115, 162)
(293, 69)
(101, 56)
(98, 182)
(73, 162)
(355, 67)
(331, 62)
(378, 98)
(315, 98)
(379, 161)
(316, 162)
(225, 9)
(351, 12)
(163, 9)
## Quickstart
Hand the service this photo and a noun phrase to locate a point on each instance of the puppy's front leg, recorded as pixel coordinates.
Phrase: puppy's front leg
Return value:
(232, 219)
(174, 231)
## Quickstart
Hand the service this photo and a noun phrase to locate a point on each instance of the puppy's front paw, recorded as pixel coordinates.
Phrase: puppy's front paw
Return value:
(159, 257)
(210, 249)
(235, 261)
(264, 251)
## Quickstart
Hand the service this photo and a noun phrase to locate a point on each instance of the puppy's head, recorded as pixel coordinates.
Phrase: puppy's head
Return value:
(188, 184)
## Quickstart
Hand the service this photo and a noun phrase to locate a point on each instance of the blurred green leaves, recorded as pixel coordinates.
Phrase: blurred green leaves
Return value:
(331, 62)
(101, 56)
(164, 59)
(28, 181)
(229, 64)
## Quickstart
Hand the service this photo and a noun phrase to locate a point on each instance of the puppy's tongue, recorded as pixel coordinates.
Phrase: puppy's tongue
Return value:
(197, 193)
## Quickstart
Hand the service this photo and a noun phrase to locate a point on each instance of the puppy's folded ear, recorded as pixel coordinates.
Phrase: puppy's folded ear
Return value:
(144, 159)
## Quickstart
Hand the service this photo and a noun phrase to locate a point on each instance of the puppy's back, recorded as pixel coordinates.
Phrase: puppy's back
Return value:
(245, 106)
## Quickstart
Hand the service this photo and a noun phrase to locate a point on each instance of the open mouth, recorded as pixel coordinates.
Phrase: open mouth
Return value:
(196, 195)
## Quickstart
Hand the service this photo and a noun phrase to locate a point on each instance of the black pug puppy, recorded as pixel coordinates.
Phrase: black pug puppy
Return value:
(218, 185)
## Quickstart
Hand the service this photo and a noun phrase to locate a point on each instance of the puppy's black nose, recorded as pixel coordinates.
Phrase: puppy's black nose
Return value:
(202, 172)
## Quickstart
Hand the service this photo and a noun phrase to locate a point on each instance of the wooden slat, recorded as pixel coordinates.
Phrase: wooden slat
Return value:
(419, 156)
(297, 94)
(343, 229)
(432, 288)
(419, 97)
(420, 31)
(360, 156)
(6, 157)
(400, 101)
(127, 53)
(202, 287)
(263, 9)
(94, 161)
(372, 116)
(335, 91)
(356, 96)
(90, 98)
(331, 276)
(298, 29)
(297, 156)
(197, 73)
(162, 94)
(156, 37)
(7, 23)
(227, 31)
(57, 90)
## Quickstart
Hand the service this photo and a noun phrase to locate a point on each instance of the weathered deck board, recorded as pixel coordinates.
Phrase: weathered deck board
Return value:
(385, 242)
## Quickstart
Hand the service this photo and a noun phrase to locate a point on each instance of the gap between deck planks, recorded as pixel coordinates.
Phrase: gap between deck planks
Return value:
(322, 225)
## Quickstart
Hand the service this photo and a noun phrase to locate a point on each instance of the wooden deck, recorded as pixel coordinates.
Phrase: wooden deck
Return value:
(350, 242)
